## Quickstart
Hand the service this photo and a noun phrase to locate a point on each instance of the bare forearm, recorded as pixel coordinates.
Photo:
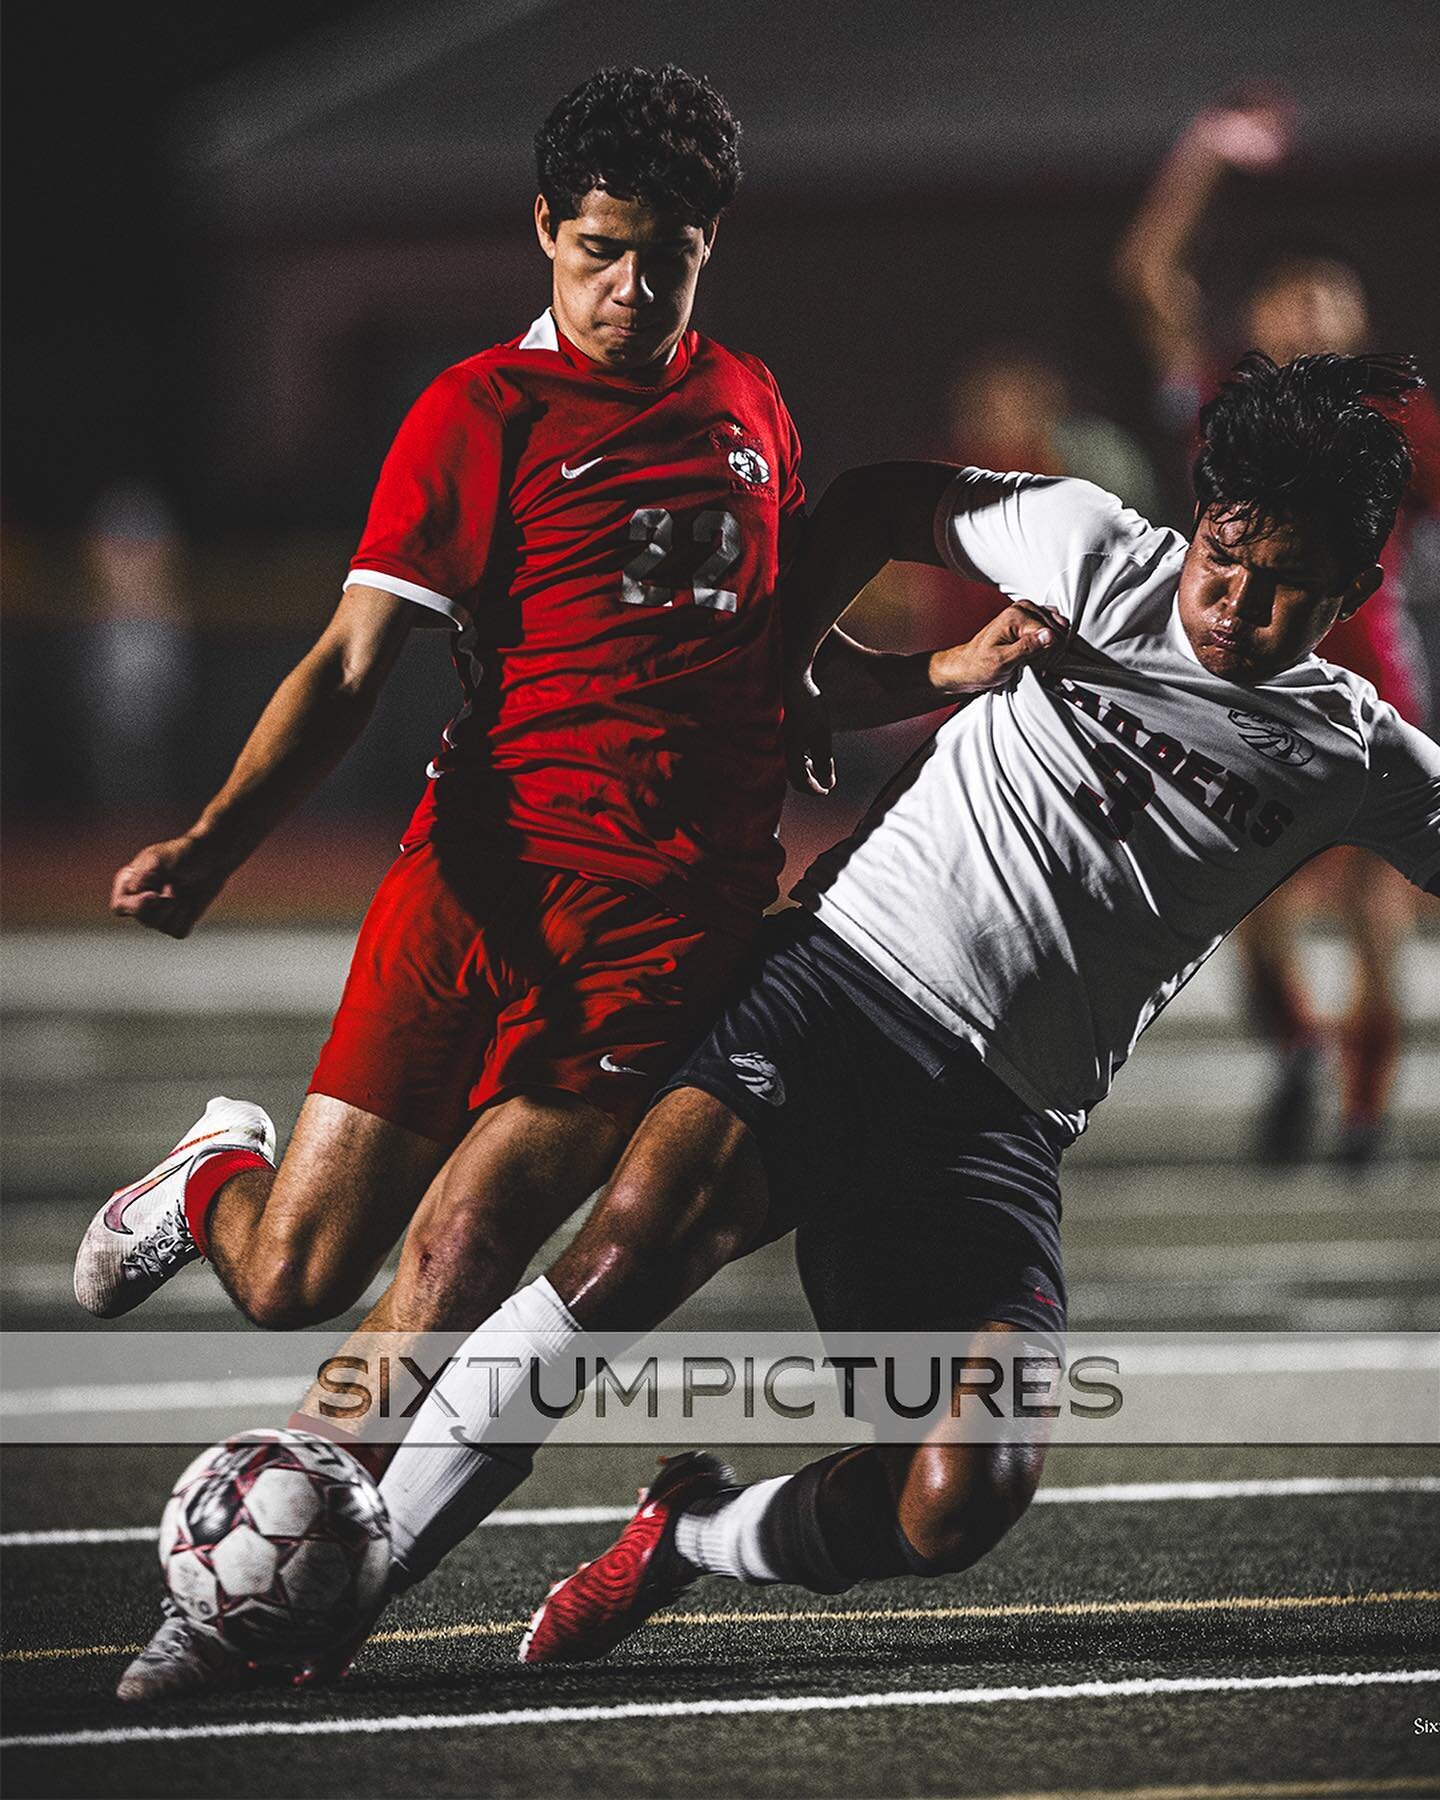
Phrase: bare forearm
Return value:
(310, 722)
(866, 518)
(845, 548)
(312, 719)
(1152, 268)
(864, 687)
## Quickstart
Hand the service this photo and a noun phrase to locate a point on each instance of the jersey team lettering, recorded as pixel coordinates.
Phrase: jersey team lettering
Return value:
(1129, 785)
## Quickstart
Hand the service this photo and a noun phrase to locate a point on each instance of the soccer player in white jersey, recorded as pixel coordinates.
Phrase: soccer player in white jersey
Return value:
(971, 968)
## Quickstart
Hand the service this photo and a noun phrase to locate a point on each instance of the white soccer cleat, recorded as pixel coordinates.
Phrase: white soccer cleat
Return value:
(179, 1660)
(140, 1238)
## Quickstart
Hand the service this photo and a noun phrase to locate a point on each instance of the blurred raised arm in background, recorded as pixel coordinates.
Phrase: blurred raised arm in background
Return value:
(1153, 269)
(1299, 295)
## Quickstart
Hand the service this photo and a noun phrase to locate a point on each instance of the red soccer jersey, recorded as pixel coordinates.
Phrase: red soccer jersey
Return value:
(609, 550)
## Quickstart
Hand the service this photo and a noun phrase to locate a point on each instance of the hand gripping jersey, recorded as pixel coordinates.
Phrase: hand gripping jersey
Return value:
(609, 551)
(1067, 850)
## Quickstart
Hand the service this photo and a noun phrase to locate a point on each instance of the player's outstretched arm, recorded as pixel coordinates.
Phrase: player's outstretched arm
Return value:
(867, 518)
(314, 716)
(1152, 271)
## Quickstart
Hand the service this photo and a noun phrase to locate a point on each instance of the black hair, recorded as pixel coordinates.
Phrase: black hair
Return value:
(1303, 442)
(658, 136)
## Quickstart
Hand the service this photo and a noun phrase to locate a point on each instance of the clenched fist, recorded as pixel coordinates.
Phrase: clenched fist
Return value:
(167, 886)
(1023, 633)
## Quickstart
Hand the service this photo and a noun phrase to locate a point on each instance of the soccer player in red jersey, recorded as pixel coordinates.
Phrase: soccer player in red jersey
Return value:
(600, 510)
(1302, 296)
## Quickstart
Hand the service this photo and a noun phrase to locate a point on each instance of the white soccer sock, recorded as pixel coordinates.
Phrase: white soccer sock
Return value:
(451, 1472)
(727, 1540)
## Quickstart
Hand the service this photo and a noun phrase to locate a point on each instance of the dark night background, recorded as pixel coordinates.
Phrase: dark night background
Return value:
(104, 269)
(240, 240)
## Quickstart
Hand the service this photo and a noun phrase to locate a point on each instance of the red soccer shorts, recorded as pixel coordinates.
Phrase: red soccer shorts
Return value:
(475, 978)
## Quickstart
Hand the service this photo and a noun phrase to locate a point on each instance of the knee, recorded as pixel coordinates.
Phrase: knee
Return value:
(650, 1217)
(957, 1503)
(275, 1307)
(475, 1244)
(458, 1271)
(288, 1293)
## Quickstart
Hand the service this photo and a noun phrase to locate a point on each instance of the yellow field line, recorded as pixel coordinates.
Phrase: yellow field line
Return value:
(1360, 1786)
(1066, 1609)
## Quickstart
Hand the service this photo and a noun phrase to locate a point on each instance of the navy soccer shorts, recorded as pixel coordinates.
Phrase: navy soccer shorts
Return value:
(924, 1195)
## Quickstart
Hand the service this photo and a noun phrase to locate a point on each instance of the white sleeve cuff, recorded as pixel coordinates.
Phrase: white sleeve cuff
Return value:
(408, 590)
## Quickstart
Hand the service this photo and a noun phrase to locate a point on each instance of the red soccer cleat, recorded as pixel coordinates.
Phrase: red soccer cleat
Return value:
(588, 1613)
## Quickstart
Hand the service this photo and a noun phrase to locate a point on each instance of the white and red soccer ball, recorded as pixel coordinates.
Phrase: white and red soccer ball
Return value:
(278, 1544)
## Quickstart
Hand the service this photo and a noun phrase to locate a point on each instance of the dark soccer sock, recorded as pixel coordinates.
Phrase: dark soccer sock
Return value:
(834, 1524)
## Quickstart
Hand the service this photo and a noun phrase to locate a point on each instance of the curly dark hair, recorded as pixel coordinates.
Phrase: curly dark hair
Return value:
(659, 136)
(1304, 442)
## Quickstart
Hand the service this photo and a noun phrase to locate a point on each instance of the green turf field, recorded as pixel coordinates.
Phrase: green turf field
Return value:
(1176, 1622)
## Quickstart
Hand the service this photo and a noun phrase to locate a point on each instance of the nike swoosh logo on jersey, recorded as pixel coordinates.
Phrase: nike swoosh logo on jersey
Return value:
(123, 1198)
(611, 1067)
(572, 474)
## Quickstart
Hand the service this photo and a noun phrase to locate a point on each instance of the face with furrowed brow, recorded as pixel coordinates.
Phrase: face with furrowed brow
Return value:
(1251, 609)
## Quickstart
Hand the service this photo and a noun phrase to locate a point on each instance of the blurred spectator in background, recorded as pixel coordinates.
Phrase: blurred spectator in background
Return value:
(137, 671)
(1011, 409)
(1301, 296)
(1008, 407)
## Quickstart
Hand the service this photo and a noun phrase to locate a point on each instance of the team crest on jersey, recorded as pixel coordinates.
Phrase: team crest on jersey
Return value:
(750, 466)
(1271, 738)
(744, 452)
(760, 1075)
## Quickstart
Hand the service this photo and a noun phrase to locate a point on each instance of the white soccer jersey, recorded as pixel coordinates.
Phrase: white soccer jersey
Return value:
(1067, 850)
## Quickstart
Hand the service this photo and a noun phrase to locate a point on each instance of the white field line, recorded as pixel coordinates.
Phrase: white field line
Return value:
(146, 1534)
(1138, 1689)
(1415, 1350)
(151, 1396)
(1199, 1191)
(1286, 1487)
(248, 969)
(1316, 1259)
(1102, 1291)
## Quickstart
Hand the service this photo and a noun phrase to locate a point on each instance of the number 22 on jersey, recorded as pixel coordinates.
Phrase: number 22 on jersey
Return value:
(653, 528)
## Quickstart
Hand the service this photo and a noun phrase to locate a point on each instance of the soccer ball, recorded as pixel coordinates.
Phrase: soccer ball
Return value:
(277, 1543)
